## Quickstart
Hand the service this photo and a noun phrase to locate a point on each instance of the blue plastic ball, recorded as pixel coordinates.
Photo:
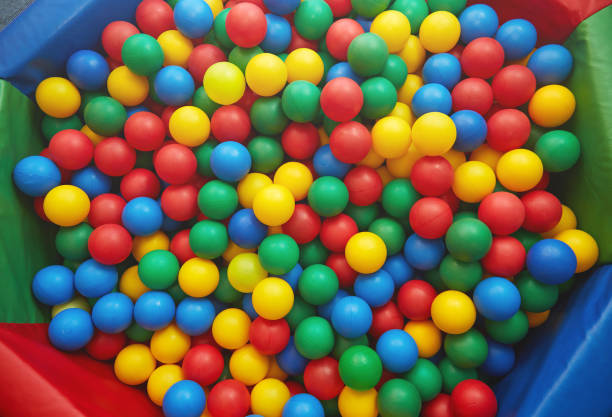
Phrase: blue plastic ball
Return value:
(230, 161)
(471, 130)
(325, 310)
(194, 316)
(551, 261)
(174, 85)
(551, 64)
(112, 313)
(71, 329)
(184, 399)
(193, 18)
(245, 230)
(443, 69)
(351, 317)
(342, 69)
(135, 109)
(142, 216)
(376, 288)
(290, 360)
(326, 164)
(154, 310)
(282, 7)
(93, 279)
(88, 70)
(397, 350)
(36, 175)
(365, 23)
(293, 276)
(247, 306)
(497, 298)
(53, 285)
(278, 34)
(423, 254)
(303, 405)
(399, 269)
(92, 181)
(478, 21)
(170, 225)
(431, 97)
(500, 359)
(518, 37)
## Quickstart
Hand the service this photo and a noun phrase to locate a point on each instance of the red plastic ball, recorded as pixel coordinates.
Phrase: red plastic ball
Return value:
(430, 217)
(180, 202)
(432, 175)
(230, 123)
(201, 58)
(139, 182)
(114, 157)
(304, 225)
(37, 202)
(105, 346)
(114, 35)
(300, 140)
(502, 212)
(542, 211)
(269, 336)
(71, 149)
(336, 232)
(340, 7)
(438, 407)
(203, 364)
(179, 246)
(513, 85)
(414, 299)
(364, 185)
(508, 129)
(165, 117)
(340, 35)
(473, 398)
(154, 17)
(297, 42)
(472, 94)
(205, 338)
(175, 163)
(229, 398)
(505, 258)
(457, 51)
(386, 317)
(246, 25)
(322, 378)
(247, 99)
(346, 275)
(452, 200)
(110, 244)
(295, 388)
(66, 174)
(105, 209)
(482, 58)
(543, 184)
(341, 99)
(145, 131)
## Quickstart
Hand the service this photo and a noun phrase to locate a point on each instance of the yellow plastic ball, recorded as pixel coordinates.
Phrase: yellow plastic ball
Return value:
(134, 364)
(272, 298)
(176, 46)
(537, 319)
(234, 250)
(403, 111)
(76, 302)
(568, 221)
(141, 245)
(583, 245)
(224, 83)
(126, 87)
(198, 277)
(189, 125)
(365, 252)
(276, 371)
(473, 181)
(273, 205)
(58, 97)
(248, 366)
(453, 312)
(455, 158)
(323, 137)
(216, 6)
(353, 403)
(426, 335)
(296, 177)
(131, 285)
(274, 230)
(170, 344)
(411, 85)
(372, 159)
(440, 32)
(385, 175)
(402, 166)
(161, 379)
(434, 133)
(268, 397)
(391, 137)
(66, 205)
(413, 53)
(393, 27)
(245, 271)
(93, 136)
(519, 170)
(249, 186)
(266, 74)
(230, 328)
(304, 64)
(552, 105)
(484, 153)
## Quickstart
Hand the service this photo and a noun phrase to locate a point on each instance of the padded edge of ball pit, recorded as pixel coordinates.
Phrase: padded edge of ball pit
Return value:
(40, 40)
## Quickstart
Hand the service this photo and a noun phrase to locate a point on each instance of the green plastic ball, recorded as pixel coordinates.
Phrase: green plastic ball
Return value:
(142, 54)
(208, 239)
(527, 238)
(536, 297)
(435, 279)
(465, 215)
(363, 215)
(367, 54)
(313, 252)
(240, 56)
(343, 343)
(202, 154)
(318, 284)
(267, 154)
(391, 232)
(426, 377)
(559, 150)
(278, 254)
(300, 101)
(217, 200)
(369, 8)
(466, 350)
(300, 311)
(508, 331)
(379, 98)
(51, 125)
(398, 398)
(328, 62)
(201, 100)
(415, 10)
(452, 375)
(176, 293)
(220, 31)
(398, 197)
(312, 19)
(71, 242)
(468, 240)
(105, 116)
(267, 116)
(330, 408)
(314, 337)
(158, 269)
(328, 196)
(224, 291)
(453, 6)
(138, 334)
(86, 97)
(458, 275)
(360, 368)
(395, 70)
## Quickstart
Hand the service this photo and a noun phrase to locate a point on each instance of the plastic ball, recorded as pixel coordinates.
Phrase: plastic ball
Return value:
(66, 205)
(217, 200)
(397, 350)
(92, 181)
(357, 402)
(434, 133)
(144, 131)
(154, 310)
(273, 205)
(341, 99)
(174, 86)
(71, 242)
(231, 328)
(304, 64)
(443, 69)
(468, 239)
(351, 317)
(269, 336)
(360, 368)
(426, 336)
(472, 94)
(432, 175)
(189, 126)
(439, 32)
(303, 405)
(246, 25)
(53, 285)
(278, 34)
(367, 54)
(518, 38)
(193, 18)
(398, 397)
(194, 316)
(551, 261)
(375, 288)
(477, 21)
(248, 365)
(312, 19)
(126, 87)
(114, 35)
(473, 181)
(170, 344)
(559, 150)
(365, 252)
(134, 364)
(139, 183)
(87, 70)
(542, 211)
(507, 129)
(414, 299)
(426, 378)
(431, 97)
(350, 142)
(203, 364)
(230, 161)
(364, 185)
(112, 313)
(379, 97)
(224, 83)
(584, 246)
(473, 398)
(142, 54)
(110, 244)
(57, 97)
(114, 157)
(175, 163)
(453, 312)
(482, 58)
(268, 397)
(105, 116)
(36, 175)
(198, 277)
(502, 212)
(340, 35)
(393, 27)
(142, 216)
(513, 85)
(423, 254)
(184, 399)
(104, 346)
(266, 74)
(272, 298)
(430, 217)
(176, 46)
(208, 239)
(71, 329)
(519, 170)
(229, 398)
(551, 64)
(245, 230)
(71, 149)
(508, 331)
(497, 298)
(314, 337)
(161, 380)
(500, 359)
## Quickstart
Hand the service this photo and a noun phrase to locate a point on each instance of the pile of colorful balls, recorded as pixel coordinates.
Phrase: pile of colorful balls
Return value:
(307, 208)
